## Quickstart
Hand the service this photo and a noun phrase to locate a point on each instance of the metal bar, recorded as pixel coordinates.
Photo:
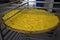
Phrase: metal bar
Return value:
(47, 8)
(1, 35)
(5, 32)
(33, 38)
(15, 36)
(55, 8)
(7, 4)
(8, 35)
(44, 2)
(3, 27)
(28, 3)
(56, 2)
(12, 36)
(13, 7)
(37, 7)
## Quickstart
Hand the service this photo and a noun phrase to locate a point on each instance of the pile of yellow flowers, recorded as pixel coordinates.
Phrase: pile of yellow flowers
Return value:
(31, 20)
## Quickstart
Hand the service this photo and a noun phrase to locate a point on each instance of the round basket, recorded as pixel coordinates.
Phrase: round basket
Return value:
(31, 20)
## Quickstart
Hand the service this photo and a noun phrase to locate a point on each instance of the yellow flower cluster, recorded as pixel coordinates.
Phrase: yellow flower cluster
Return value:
(31, 20)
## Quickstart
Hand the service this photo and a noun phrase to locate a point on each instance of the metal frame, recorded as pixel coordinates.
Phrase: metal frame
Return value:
(47, 4)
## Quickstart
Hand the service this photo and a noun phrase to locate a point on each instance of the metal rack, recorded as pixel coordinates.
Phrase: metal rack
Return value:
(7, 34)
